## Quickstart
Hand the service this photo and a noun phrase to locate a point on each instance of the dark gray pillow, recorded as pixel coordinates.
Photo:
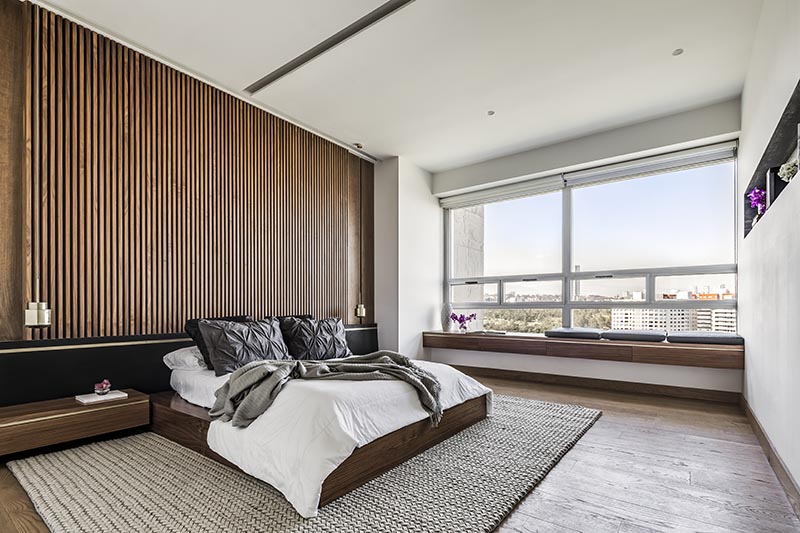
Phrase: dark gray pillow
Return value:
(192, 328)
(705, 337)
(574, 333)
(232, 345)
(308, 338)
(634, 335)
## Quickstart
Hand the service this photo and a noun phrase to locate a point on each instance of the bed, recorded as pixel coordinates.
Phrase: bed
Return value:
(321, 438)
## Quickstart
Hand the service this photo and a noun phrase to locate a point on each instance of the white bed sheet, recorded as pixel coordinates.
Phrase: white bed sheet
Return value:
(314, 425)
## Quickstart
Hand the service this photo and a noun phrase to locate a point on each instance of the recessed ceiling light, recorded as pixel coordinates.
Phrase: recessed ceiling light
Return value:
(358, 145)
(490, 112)
(677, 51)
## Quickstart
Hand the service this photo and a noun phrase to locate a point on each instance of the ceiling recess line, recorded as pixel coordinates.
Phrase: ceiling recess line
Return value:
(374, 16)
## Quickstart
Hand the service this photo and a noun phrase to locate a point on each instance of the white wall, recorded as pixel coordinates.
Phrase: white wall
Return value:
(769, 258)
(409, 253)
(705, 125)
(679, 376)
(386, 252)
(421, 251)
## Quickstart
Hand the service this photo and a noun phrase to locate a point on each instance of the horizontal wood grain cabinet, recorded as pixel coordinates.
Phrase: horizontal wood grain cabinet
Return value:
(487, 344)
(588, 350)
(703, 356)
(660, 353)
(33, 425)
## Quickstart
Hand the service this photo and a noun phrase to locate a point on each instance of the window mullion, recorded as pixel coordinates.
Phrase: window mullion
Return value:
(650, 288)
(566, 254)
(447, 272)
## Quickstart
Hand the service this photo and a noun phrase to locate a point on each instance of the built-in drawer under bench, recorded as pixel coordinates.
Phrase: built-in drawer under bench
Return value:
(659, 353)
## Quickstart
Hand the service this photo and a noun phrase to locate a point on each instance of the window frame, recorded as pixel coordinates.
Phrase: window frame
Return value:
(567, 304)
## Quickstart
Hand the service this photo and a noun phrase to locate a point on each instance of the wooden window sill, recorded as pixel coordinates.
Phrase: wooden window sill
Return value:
(659, 353)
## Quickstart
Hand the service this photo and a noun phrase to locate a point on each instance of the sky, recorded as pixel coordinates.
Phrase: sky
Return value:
(673, 219)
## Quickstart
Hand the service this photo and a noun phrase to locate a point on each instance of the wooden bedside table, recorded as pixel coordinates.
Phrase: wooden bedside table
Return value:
(33, 425)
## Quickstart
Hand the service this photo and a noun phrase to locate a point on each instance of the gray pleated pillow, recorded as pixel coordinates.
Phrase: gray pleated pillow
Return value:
(308, 338)
(192, 329)
(232, 345)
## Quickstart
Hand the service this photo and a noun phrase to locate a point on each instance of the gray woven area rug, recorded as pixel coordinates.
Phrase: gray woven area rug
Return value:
(147, 483)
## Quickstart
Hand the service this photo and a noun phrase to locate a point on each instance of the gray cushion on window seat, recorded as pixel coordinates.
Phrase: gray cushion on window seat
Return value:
(634, 335)
(705, 337)
(574, 333)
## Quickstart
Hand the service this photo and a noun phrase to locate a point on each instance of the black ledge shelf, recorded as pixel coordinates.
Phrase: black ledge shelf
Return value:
(783, 142)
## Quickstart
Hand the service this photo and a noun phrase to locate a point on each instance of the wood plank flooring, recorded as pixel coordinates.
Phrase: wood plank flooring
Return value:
(653, 464)
(649, 464)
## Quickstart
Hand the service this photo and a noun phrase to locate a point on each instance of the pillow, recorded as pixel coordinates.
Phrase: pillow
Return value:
(308, 338)
(232, 345)
(634, 335)
(188, 358)
(192, 328)
(705, 337)
(574, 333)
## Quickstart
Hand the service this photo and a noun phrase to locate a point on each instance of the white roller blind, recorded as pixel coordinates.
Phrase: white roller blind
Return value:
(695, 157)
(504, 192)
(685, 159)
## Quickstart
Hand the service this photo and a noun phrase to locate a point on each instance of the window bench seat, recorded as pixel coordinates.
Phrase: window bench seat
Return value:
(659, 353)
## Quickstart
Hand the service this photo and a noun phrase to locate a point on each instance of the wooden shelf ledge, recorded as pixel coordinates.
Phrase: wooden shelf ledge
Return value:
(659, 353)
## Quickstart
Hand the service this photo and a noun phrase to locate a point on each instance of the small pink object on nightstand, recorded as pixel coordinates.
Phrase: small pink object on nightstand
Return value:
(103, 387)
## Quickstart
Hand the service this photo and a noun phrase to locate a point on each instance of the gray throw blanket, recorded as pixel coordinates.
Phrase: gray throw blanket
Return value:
(252, 388)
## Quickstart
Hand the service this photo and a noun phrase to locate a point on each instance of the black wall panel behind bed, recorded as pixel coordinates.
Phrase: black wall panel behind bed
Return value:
(31, 371)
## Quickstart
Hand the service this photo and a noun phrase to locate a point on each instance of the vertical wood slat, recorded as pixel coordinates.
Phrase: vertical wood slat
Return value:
(152, 197)
(16, 131)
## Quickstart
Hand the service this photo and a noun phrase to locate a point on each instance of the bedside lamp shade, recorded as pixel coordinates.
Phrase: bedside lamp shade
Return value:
(37, 315)
(361, 311)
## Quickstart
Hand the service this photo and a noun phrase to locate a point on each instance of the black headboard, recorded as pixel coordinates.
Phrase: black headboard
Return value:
(42, 370)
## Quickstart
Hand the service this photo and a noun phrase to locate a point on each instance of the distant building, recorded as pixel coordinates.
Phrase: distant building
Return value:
(708, 296)
(655, 319)
(674, 319)
(717, 320)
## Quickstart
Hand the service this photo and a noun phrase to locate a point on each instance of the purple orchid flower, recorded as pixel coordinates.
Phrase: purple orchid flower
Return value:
(463, 320)
(758, 200)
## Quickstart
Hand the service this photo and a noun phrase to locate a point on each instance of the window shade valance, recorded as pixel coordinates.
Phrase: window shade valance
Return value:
(637, 168)
(684, 159)
(504, 192)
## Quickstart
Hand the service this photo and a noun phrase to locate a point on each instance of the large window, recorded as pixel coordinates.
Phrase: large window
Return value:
(668, 220)
(505, 238)
(647, 250)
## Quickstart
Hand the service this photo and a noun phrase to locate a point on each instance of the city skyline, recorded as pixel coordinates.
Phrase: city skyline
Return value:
(707, 292)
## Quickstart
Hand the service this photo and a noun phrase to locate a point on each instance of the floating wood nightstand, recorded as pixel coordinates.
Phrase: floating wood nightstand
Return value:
(33, 425)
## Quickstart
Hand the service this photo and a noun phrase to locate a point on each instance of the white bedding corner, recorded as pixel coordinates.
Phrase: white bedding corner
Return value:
(197, 386)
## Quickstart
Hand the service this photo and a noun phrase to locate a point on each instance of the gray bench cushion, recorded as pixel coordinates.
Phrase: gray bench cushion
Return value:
(637, 335)
(705, 337)
(574, 333)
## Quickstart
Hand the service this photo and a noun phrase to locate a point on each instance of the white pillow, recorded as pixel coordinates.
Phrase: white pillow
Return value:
(188, 358)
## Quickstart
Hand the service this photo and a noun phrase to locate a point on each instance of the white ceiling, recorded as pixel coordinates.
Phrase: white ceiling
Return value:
(420, 82)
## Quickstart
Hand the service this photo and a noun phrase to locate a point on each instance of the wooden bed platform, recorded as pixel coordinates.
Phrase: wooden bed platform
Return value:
(187, 424)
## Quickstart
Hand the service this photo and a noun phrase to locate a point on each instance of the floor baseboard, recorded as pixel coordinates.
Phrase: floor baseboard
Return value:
(785, 478)
(605, 384)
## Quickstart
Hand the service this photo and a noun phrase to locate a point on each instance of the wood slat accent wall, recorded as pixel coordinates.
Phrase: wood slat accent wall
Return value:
(12, 101)
(153, 197)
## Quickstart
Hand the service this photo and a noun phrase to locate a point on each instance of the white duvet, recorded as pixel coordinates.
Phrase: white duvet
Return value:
(313, 426)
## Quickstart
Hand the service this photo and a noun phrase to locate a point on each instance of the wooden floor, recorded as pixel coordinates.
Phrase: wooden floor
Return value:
(649, 464)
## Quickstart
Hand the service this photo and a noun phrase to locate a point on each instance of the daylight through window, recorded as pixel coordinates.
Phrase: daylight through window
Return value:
(656, 251)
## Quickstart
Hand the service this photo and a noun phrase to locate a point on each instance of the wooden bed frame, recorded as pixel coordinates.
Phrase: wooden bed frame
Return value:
(187, 424)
